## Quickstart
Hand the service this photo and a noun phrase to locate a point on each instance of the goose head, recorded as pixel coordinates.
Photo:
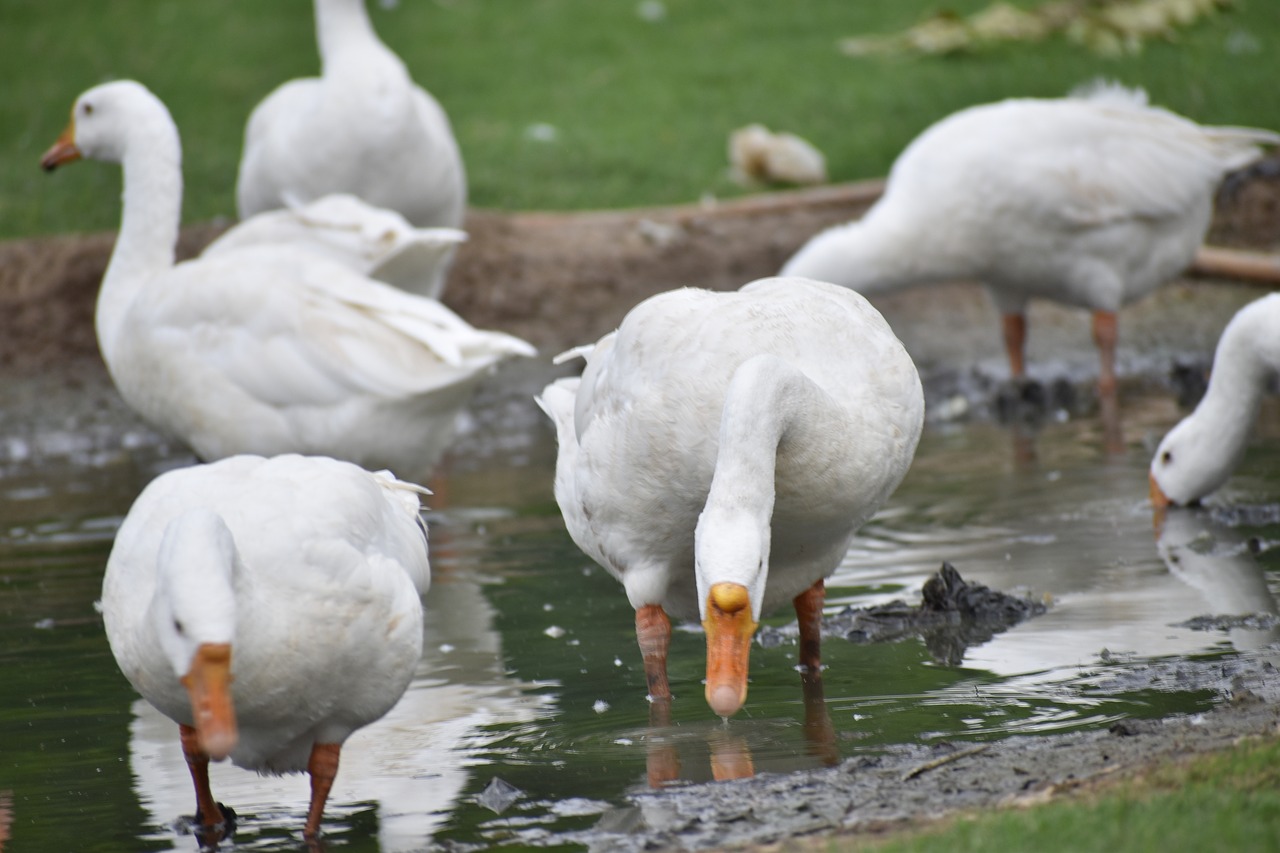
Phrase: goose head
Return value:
(194, 618)
(104, 121)
(1184, 469)
(731, 562)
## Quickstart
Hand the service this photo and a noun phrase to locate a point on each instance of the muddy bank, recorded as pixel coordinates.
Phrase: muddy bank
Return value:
(911, 783)
(560, 279)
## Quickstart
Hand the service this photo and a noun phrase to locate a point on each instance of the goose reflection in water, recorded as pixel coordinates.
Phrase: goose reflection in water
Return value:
(1218, 561)
(729, 747)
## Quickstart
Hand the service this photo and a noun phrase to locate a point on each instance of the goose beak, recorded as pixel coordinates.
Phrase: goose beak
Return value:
(1159, 502)
(212, 712)
(729, 628)
(63, 151)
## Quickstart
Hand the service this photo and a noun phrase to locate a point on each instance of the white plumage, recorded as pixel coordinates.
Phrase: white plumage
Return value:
(373, 241)
(363, 127)
(1093, 201)
(720, 451)
(306, 571)
(263, 349)
(1200, 453)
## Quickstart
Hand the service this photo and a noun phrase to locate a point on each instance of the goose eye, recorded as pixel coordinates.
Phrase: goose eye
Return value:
(86, 108)
(1166, 457)
(177, 626)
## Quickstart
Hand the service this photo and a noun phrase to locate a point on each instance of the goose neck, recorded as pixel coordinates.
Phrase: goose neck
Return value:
(150, 217)
(341, 27)
(771, 409)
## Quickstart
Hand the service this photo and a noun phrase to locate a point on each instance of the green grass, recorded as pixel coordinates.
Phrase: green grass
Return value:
(1223, 801)
(643, 109)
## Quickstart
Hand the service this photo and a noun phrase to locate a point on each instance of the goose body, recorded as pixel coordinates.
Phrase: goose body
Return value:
(1199, 454)
(304, 572)
(363, 127)
(373, 241)
(1092, 201)
(721, 449)
(263, 349)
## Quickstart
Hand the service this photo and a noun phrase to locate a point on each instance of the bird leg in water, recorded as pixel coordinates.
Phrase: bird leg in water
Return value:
(1015, 342)
(208, 812)
(819, 731)
(322, 766)
(662, 759)
(809, 615)
(1104, 336)
(653, 633)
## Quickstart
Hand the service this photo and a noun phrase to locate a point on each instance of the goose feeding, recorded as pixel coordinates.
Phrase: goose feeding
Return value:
(719, 452)
(362, 127)
(1199, 454)
(297, 578)
(264, 349)
(373, 241)
(1093, 200)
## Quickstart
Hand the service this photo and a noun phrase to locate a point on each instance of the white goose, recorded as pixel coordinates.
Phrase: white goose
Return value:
(373, 241)
(363, 127)
(298, 577)
(1093, 201)
(265, 349)
(720, 451)
(1199, 454)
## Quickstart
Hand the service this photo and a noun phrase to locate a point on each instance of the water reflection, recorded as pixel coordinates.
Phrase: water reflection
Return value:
(729, 746)
(1217, 562)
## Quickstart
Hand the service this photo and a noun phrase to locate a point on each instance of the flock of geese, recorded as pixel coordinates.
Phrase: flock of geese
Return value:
(716, 455)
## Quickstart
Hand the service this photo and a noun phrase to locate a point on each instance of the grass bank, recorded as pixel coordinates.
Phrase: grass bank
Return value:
(1222, 801)
(641, 109)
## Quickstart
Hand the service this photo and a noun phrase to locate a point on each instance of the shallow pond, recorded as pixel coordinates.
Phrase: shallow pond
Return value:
(531, 674)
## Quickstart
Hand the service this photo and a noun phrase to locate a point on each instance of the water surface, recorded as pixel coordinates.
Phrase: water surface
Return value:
(531, 674)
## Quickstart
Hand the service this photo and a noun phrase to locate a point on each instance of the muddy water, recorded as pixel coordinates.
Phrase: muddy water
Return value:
(531, 675)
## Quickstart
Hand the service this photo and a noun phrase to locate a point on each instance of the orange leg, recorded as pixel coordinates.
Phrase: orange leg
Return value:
(809, 615)
(323, 766)
(653, 633)
(1015, 343)
(208, 813)
(1104, 336)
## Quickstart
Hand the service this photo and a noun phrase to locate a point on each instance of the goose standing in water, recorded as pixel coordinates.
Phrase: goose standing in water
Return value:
(264, 349)
(1199, 454)
(1093, 201)
(720, 451)
(362, 127)
(298, 577)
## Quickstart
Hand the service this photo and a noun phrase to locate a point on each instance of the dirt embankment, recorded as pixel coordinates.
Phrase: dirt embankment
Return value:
(556, 279)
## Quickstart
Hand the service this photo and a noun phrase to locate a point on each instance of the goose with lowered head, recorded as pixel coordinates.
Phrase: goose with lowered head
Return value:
(300, 578)
(1199, 454)
(362, 127)
(264, 349)
(720, 451)
(1093, 200)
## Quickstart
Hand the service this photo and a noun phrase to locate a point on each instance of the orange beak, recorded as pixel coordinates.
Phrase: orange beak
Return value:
(209, 685)
(1159, 502)
(729, 628)
(63, 151)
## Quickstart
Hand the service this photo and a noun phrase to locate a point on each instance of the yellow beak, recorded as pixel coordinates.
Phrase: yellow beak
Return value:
(1159, 502)
(729, 628)
(63, 151)
(209, 685)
